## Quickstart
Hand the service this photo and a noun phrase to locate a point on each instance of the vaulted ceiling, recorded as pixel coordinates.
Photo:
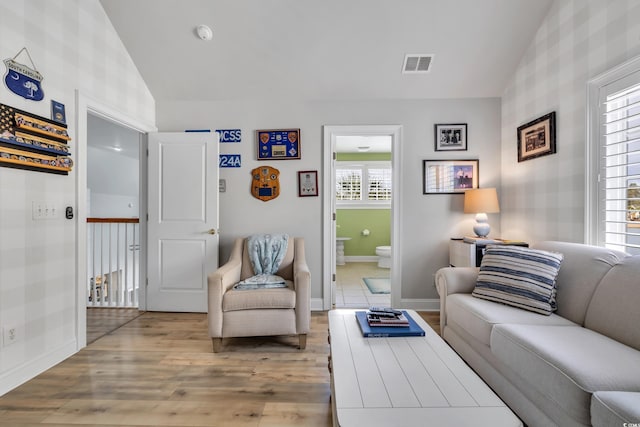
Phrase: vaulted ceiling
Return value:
(325, 49)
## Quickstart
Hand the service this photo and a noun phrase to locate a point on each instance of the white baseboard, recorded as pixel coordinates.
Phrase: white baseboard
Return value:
(361, 259)
(317, 304)
(23, 373)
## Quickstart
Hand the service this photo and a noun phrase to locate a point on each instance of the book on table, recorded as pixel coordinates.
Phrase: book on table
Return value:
(482, 241)
(376, 320)
(410, 330)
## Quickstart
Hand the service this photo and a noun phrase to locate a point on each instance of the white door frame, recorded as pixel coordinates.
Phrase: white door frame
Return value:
(85, 105)
(329, 224)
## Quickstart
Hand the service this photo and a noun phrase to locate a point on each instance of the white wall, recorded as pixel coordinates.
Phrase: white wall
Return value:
(543, 198)
(113, 179)
(113, 182)
(427, 221)
(74, 46)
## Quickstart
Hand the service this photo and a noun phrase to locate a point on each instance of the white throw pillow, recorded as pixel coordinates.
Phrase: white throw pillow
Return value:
(520, 277)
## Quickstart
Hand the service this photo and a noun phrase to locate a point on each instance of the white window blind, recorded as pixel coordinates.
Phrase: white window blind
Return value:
(619, 175)
(363, 184)
(348, 184)
(379, 183)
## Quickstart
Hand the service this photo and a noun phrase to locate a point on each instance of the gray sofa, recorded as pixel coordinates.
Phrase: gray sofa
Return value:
(580, 366)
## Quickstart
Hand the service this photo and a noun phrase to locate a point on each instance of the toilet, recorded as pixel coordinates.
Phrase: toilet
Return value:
(384, 256)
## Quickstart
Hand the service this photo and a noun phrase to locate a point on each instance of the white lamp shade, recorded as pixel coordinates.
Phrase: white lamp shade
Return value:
(481, 200)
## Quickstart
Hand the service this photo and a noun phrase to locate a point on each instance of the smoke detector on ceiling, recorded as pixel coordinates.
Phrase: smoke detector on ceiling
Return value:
(204, 32)
(417, 63)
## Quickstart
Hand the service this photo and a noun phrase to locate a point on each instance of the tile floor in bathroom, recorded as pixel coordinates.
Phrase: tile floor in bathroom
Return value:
(351, 292)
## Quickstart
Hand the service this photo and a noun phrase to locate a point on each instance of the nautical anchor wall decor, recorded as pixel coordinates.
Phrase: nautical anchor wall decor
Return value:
(22, 80)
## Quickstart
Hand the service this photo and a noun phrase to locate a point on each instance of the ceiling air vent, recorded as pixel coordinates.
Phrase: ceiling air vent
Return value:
(417, 63)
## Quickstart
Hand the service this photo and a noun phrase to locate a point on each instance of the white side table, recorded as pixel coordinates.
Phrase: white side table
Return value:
(461, 253)
(467, 254)
(340, 249)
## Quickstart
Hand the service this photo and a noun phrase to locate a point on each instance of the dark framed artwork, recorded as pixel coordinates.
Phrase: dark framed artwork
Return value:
(537, 138)
(278, 144)
(307, 183)
(57, 112)
(449, 176)
(450, 137)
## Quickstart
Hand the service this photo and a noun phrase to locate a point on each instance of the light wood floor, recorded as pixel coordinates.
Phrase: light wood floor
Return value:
(102, 320)
(158, 370)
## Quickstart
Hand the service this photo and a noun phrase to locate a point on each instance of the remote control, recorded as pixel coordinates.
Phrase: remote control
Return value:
(385, 310)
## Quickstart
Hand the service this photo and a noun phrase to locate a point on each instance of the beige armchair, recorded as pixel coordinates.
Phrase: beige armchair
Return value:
(260, 312)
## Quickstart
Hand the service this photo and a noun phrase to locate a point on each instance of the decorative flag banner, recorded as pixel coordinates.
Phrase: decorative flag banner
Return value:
(22, 80)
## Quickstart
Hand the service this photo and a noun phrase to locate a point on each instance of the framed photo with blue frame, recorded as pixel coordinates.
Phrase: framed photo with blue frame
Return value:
(449, 176)
(278, 144)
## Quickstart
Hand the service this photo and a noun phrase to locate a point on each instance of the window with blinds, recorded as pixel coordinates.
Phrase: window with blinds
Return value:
(361, 184)
(619, 175)
(379, 187)
(348, 184)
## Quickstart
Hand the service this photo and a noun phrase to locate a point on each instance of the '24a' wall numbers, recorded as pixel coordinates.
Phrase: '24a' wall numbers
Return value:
(230, 161)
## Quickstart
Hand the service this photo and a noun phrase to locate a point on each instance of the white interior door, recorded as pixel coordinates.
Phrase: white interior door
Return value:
(183, 220)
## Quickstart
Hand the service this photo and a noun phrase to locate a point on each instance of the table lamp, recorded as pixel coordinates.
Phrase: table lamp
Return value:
(481, 201)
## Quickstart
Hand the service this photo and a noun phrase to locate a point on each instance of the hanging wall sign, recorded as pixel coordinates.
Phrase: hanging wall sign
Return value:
(22, 80)
(230, 161)
(230, 135)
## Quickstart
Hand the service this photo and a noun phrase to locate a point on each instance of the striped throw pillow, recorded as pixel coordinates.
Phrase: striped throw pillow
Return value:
(520, 277)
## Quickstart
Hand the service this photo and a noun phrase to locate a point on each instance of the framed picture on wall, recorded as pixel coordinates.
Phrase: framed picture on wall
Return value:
(278, 144)
(57, 112)
(450, 137)
(449, 176)
(307, 183)
(537, 138)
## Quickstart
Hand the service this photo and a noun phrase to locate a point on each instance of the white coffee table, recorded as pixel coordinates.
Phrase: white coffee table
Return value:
(405, 381)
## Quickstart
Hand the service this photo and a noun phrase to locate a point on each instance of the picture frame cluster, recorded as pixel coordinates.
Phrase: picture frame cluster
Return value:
(535, 139)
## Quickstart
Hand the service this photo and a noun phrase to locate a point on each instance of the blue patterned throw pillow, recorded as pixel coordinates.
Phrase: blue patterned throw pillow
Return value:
(520, 277)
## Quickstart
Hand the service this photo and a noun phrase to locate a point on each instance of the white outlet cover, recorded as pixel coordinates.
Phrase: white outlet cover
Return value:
(9, 337)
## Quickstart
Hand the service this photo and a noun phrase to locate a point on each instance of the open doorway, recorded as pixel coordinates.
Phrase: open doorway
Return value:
(86, 106)
(361, 200)
(363, 174)
(113, 225)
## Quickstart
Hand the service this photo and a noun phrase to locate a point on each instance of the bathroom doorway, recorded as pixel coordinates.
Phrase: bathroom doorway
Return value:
(361, 211)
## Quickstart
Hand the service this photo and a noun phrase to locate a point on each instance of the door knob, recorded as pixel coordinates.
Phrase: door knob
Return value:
(212, 231)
